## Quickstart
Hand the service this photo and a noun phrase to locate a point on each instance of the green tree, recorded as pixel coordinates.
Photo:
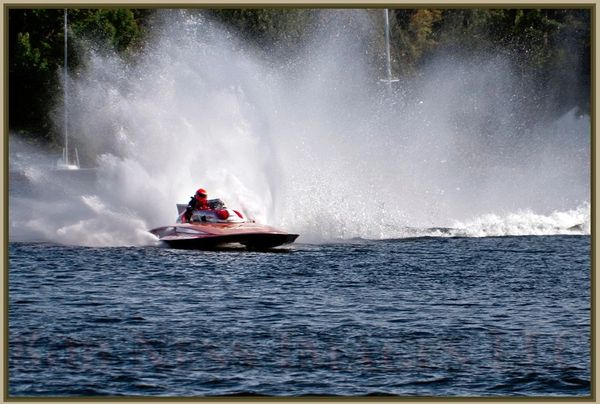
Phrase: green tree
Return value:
(549, 48)
(413, 36)
(36, 55)
(270, 27)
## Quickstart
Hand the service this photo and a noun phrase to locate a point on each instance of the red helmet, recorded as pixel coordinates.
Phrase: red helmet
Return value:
(201, 192)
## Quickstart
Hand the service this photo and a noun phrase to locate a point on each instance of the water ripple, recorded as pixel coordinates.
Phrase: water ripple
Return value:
(428, 317)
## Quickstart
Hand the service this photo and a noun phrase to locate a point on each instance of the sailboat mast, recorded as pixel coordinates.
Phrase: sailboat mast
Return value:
(387, 49)
(65, 99)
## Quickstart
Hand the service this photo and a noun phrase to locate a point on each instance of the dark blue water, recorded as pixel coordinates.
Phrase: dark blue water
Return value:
(503, 316)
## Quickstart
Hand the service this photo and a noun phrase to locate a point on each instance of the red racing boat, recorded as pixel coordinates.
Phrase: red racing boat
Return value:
(220, 226)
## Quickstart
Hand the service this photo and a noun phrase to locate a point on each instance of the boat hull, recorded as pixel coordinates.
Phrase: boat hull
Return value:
(214, 235)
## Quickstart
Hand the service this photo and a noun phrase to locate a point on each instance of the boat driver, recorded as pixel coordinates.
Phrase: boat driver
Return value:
(198, 202)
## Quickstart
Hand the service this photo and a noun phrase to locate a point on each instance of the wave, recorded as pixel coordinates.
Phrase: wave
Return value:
(521, 223)
(525, 223)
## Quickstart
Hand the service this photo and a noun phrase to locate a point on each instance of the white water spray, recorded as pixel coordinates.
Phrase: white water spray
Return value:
(308, 146)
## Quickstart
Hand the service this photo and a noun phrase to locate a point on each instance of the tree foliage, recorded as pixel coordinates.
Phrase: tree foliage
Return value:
(36, 55)
(549, 47)
(268, 28)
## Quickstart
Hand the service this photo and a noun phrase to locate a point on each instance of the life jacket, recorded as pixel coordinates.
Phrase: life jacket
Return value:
(194, 204)
(201, 203)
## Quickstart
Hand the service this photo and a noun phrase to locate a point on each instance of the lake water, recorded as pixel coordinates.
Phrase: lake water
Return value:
(495, 316)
